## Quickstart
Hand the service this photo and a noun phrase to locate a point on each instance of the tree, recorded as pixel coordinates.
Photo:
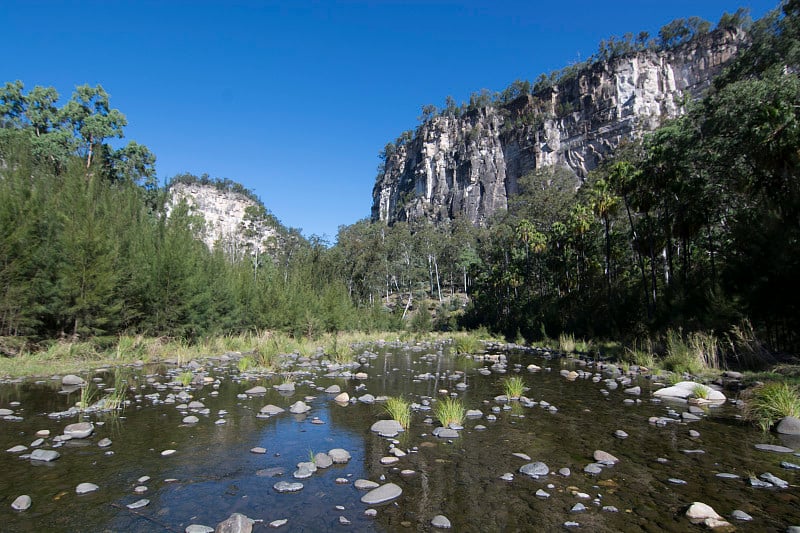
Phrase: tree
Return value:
(92, 120)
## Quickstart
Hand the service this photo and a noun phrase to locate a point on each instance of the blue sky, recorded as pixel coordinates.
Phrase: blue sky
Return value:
(296, 99)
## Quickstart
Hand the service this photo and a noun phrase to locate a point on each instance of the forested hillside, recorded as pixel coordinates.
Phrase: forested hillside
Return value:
(695, 226)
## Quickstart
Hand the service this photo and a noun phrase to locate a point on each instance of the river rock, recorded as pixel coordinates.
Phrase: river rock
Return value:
(387, 428)
(333, 389)
(440, 522)
(322, 460)
(686, 389)
(287, 486)
(235, 523)
(773, 448)
(285, 387)
(256, 390)
(445, 433)
(85, 488)
(299, 407)
(593, 469)
(789, 466)
(44, 455)
(275, 524)
(778, 482)
(6, 412)
(535, 469)
(699, 511)
(367, 398)
(191, 419)
(635, 391)
(741, 515)
(382, 494)
(365, 484)
(260, 450)
(144, 502)
(22, 503)
(789, 425)
(604, 458)
(198, 528)
(620, 434)
(271, 410)
(342, 398)
(339, 456)
(71, 380)
(79, 430)
(19, 448)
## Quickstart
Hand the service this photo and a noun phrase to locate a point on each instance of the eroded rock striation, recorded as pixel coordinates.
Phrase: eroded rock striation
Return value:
(469, 164)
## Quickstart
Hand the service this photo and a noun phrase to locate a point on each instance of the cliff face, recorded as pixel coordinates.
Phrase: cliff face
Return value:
(232, 220)
(470, 164)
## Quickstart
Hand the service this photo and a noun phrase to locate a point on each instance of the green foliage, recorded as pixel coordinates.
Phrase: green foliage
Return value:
(466, 343)
(770, 402)
(566, 342)
(185, 378)
(514, 387)
(700, 391)
(449, 411)
(399, 409)
(692, 354)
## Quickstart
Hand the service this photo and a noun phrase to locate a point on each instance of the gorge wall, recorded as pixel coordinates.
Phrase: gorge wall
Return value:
(468, 164)
(234, 222)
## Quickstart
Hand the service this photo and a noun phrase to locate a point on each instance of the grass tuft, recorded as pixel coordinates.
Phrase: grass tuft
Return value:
(449, 411)
(770, 402)
(399, 409)
(566, 342)
(514, 387)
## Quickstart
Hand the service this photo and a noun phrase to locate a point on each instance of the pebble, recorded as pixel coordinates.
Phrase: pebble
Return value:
(287, 486)
(258, 450)
(166, 453)
(85, 488)
(138, 504)
(441, 522)
(382, 494)
(741, 515)
(198, 528)
(275, 524)
(542, 494)
(22, 503)
(773, 448)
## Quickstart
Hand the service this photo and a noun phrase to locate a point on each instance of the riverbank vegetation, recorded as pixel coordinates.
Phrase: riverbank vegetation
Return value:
(682, 247)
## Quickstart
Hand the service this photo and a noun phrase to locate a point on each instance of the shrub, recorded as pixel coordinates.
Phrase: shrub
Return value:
(566, 342)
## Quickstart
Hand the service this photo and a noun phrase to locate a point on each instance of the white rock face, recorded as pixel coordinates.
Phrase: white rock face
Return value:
(469, 165)
(224, 214)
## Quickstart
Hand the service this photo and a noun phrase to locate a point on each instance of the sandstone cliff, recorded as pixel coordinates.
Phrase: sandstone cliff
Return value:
(233, 221)
(469, 163)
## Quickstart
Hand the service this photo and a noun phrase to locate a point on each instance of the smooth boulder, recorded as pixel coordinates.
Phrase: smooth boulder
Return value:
(382, 494)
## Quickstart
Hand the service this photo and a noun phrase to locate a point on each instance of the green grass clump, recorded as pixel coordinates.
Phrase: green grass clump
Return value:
(770, 402)
(399, 409)
(693, 354)
(88, 394)
(449, 411)
(244, 364)
(514, 387)
(700, 391)
(185, 378)
(467, 344)
(566, 342)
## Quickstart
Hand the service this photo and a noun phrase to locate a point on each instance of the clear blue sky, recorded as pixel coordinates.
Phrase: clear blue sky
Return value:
(295, 99)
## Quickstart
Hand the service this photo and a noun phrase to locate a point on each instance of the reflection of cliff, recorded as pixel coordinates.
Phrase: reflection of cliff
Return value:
(469, 164)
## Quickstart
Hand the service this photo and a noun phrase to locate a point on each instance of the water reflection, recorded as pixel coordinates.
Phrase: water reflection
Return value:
(214, 473)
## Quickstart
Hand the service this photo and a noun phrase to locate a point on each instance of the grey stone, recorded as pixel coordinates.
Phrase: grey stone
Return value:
(535, 469)
(256, 390)
(604, 458)
(366, 484)
(191, 419)
(686, 389)
(44, 455)
(593, 469)
(17, 449)
(275, 524)
(339, 456)
(542, 494)
(72, 380)
(287, 486)
(367, 398)
(21, 503)
(272, 410)
(299, 407)
(757, 483)
(445, 433)
(441, 522)
(322, 460)
(235, 523)
(789, 425)
(778, 482)
(382, 494)
(387, 428)
(790, 466)
(198, 528)
(79, 430)
(104, 442)
(85, 488)
(636, 391)
(578, 508)
(620, 434)
(699, 511)
(333, 389)
(773, 448)
(741, 515)
(138, 504)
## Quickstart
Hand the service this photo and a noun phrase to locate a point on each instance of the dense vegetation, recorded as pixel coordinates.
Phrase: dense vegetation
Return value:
(696, 228)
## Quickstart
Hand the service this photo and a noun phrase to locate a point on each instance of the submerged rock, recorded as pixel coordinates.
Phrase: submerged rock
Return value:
(79, 430)
(387, 428)
(21, 503)
(440, 522)
(382, 494)
(687, 389)
(535, 469)
(235, 523)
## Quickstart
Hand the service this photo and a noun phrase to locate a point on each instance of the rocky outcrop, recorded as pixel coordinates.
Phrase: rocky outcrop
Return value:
(237, 223)
(468, 164)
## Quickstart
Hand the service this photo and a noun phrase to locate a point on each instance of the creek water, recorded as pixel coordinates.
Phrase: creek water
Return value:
(213, 472)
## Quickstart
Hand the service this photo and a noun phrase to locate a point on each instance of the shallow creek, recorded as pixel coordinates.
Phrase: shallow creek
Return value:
(213, 471)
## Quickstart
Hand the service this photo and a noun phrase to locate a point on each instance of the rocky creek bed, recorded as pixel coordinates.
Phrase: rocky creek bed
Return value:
(585, 448)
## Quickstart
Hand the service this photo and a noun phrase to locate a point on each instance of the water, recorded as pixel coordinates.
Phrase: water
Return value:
(213, 473)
